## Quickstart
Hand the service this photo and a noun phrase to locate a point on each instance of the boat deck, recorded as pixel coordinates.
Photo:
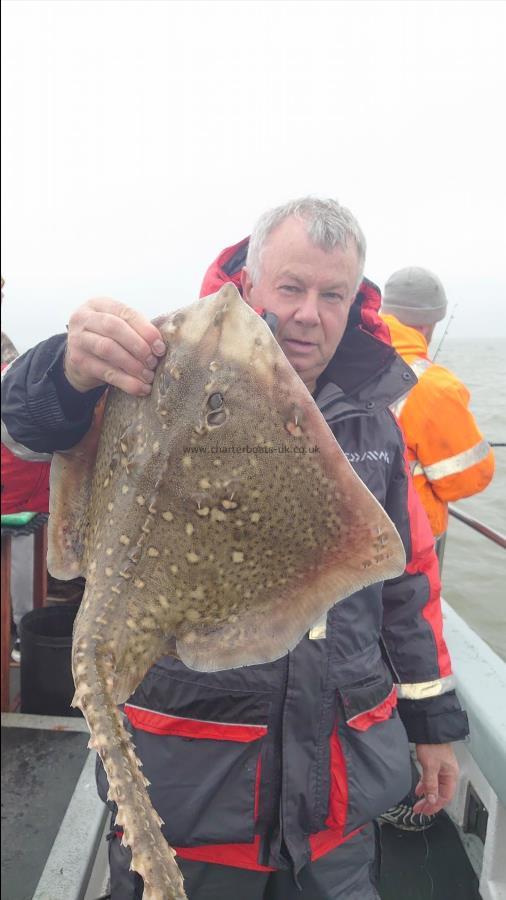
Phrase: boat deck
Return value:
(40, 770)
(426, 865)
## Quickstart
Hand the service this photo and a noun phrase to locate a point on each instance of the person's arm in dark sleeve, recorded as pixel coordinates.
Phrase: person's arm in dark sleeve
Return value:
(49, 393)
(413, 623)
(41, 411)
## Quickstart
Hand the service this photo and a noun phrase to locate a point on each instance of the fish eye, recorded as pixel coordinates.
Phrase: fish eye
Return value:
(215, 401)
(217, 418)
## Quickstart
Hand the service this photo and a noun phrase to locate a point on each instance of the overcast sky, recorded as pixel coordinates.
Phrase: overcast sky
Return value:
(140, 138)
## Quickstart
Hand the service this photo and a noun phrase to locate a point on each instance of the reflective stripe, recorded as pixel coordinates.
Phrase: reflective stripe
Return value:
(458, 463)
(453, 464)
(423, 689)
(20, 450)
(319, 629)
(418, 366)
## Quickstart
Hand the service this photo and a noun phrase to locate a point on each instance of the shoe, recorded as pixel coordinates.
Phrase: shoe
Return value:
(16, 651)
(403, 817)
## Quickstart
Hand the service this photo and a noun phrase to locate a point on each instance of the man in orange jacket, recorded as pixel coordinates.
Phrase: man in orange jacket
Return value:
(448, 455)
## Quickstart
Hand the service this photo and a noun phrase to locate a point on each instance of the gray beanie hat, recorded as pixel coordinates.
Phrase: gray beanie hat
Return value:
(415, 296)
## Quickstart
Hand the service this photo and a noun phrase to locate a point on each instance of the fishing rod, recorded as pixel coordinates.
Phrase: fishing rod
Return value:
(445, 332)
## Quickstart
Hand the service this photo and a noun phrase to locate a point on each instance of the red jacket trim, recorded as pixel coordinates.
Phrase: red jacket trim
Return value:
(338, 797)
(25, 485)
(245, 856)
(379, 713)
(161, 723)
(424, 560)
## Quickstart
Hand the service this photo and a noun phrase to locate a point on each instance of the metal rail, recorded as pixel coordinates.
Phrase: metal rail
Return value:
(487, 532)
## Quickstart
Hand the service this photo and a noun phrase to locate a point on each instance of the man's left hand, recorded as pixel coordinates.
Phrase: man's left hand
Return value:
(438, 780)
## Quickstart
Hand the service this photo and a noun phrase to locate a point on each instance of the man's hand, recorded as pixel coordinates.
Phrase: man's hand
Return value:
(109, 343)
(438, 781)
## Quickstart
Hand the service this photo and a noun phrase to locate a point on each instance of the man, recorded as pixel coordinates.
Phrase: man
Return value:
(8, 350)
(25, 488)
(448, 456)
(281, 808)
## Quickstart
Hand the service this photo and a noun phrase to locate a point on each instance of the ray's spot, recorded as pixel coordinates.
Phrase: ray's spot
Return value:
(192, 615)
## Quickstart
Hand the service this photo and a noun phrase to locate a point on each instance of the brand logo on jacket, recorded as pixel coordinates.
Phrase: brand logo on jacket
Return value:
(369, 455)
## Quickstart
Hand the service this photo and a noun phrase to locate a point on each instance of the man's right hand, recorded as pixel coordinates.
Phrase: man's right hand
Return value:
(109, 343)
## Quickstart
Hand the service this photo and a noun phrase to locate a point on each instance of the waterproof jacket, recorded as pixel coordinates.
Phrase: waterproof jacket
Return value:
(269, 766)
(25, 485)
(448, 456)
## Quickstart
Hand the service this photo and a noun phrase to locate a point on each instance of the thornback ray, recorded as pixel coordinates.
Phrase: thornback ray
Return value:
(218, 520)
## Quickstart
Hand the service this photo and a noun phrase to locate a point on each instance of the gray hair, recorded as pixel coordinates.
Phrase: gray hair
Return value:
(328, 225)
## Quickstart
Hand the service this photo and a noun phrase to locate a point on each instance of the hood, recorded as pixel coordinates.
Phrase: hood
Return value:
(408, 342)
(364, 311)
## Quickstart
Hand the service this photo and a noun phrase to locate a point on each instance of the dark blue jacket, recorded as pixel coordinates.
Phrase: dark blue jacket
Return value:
(271, 765)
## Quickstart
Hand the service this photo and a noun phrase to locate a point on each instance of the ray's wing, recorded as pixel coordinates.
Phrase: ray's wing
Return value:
(343, 541)
(70, 486)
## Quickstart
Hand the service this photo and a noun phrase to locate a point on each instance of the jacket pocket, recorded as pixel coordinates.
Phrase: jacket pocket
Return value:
(368, 701)
(370, 764)
(203, 761)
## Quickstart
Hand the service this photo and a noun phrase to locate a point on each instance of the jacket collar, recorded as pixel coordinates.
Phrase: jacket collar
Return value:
(364, 376)
(409, 342)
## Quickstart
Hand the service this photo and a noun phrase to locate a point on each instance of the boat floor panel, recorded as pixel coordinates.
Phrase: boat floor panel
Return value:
(40, 769)
(426, 865)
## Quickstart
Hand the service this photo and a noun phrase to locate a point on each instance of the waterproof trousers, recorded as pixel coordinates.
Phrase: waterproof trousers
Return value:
(350, 872)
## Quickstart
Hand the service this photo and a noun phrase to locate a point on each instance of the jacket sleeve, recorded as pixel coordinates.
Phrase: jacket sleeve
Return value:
(452, 454)
(41, 411)
(413, 624)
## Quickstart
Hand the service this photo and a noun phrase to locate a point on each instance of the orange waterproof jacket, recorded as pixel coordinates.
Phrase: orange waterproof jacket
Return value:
(448, 455)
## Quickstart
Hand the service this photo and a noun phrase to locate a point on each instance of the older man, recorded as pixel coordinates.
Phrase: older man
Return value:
(283, 808)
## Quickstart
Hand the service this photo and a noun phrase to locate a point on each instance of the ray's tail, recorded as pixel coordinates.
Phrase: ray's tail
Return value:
(152, 857)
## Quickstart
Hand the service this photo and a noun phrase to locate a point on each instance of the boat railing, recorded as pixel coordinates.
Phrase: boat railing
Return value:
(483, 529)
(479, 806)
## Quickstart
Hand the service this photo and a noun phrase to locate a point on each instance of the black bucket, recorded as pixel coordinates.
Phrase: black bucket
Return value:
(47, 686)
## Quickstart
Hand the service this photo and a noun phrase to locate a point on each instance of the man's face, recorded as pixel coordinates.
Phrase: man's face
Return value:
(310, 291)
